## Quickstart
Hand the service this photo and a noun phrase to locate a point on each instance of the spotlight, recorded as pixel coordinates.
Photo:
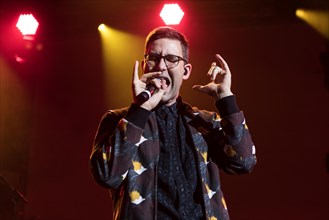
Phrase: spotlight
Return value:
(171, 14)
(101, 27)
(318, 19)
(27, 25)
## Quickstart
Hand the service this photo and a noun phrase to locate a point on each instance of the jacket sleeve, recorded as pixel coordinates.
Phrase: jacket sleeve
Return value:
(114, 145)
(234, 150)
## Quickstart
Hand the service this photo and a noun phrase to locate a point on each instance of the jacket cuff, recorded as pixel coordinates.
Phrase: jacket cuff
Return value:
(227, 106)
(137, 115)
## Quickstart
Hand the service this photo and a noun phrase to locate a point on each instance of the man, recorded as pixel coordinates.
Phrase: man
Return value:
(160, 158)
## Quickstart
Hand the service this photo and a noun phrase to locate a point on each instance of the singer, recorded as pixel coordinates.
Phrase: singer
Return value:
(160, 157)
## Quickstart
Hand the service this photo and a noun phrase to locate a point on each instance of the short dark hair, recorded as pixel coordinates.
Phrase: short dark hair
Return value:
(170, 33)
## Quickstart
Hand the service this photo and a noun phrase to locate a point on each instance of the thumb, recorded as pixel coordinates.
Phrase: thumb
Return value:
(158, 95)
(206, 90)
(199, 88)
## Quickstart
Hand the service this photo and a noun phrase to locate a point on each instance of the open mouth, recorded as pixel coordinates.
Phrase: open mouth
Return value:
(165, 82)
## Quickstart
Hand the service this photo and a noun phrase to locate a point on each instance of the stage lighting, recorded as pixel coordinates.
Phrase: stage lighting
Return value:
(27, 24)
(101, 27)
(318, 19)
(171, 14)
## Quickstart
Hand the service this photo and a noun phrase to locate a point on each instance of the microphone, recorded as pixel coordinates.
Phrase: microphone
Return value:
(146, 94)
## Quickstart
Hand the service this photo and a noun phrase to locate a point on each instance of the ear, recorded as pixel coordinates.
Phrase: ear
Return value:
(188, 70)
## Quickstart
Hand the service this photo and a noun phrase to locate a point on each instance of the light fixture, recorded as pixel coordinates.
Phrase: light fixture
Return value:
(171, 14)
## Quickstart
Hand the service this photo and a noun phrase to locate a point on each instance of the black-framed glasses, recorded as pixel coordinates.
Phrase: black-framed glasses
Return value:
(171, 60)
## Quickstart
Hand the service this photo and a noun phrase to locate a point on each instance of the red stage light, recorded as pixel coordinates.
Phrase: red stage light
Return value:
(171, 14)
(27, 24)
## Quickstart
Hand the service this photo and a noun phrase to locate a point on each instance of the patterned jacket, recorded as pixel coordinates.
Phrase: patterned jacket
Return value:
(125, 156)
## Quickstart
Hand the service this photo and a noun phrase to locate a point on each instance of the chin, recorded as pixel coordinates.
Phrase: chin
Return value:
(169, 99)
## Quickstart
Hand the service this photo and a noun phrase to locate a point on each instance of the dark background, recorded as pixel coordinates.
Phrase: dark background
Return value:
(52, 103)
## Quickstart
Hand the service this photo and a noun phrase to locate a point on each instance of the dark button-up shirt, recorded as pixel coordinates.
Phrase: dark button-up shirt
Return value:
(178, 194)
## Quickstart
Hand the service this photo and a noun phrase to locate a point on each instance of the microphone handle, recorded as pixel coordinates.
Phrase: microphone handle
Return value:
(146, 94)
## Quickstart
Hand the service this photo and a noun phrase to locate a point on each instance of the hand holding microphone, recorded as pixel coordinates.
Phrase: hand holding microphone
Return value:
(147, 91)
(151, 89)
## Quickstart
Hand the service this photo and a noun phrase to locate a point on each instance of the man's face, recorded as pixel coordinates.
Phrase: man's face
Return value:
(172, 78)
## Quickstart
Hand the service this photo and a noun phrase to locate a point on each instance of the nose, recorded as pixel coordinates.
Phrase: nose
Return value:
(162, 66)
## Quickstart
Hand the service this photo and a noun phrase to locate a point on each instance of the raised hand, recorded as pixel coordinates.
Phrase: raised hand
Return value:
(220, 80)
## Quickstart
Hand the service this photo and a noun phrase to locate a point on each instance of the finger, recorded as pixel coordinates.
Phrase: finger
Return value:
(135, 72)
(155, 98)
(149, 76)
(196, 87)
(199, 88)
(217, 70)
(156, 82)
(222, 62)
(158, 95)
(210, 71)
(214, 71)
